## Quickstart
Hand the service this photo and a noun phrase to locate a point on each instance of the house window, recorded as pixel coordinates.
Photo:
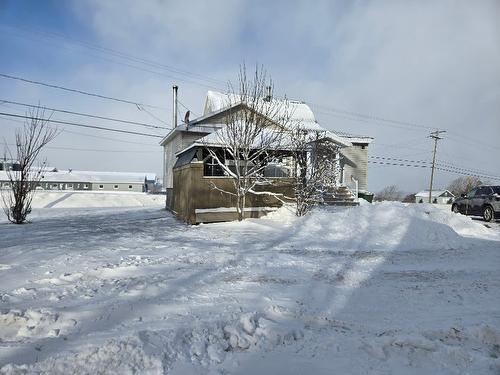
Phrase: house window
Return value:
(130, 186)
(69, 186)
(85, 186)
(101, 186)
(212, 168)
(55, 186)
(115, 187)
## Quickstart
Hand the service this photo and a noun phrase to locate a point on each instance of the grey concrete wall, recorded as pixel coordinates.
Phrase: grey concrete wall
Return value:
(106, 186)
(359, 156)
(80, 186)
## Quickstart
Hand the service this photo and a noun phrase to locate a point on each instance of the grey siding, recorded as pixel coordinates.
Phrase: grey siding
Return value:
(357, 164)
(177, 143)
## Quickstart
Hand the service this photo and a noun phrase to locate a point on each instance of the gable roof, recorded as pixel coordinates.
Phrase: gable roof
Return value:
(435, 193)
(217, 103)
(299, 112)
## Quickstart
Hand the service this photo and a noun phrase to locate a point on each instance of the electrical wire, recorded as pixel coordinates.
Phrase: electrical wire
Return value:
(81, 125)
(87, 115)
(25, 80)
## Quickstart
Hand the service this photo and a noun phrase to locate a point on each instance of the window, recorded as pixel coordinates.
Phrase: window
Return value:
(276, 170)
(55, 186)
(101, 186)
(212, 168)
(115, 187)
(484, 191)
(85, 186)
(472, 193)
(130, 186)
(69, 186)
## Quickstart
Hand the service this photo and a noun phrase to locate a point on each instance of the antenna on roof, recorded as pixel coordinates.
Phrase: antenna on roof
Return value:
(269, 93)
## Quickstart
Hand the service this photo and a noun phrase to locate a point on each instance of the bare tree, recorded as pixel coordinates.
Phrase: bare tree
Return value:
(389, 193)
(409, 198)
(251, 137)
(316, 167)
(463, 184)
(27, 170)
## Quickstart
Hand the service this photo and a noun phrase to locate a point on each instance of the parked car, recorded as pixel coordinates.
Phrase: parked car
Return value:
(481, 201)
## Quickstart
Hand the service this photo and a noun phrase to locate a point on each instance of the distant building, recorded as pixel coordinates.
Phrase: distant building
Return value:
(437, 197)
(53, 179)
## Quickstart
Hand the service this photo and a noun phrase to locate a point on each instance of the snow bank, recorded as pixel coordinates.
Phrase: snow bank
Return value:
(383, 226)
(150, 352)
(20, 325)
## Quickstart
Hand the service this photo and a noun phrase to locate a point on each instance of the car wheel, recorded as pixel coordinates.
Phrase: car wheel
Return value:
(488, 213)
(455, 208)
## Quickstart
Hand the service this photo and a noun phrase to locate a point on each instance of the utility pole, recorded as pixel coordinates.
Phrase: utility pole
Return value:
(436, 137)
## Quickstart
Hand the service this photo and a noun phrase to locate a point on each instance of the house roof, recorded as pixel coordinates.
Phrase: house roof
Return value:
(353, 138)
(435, 193)
(216, 103)
(299, 112)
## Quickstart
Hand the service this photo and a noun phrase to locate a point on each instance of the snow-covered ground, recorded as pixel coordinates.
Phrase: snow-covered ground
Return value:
(377, 289)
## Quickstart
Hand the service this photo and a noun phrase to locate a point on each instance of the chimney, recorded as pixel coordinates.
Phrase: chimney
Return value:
(174, 106)
(269, 94)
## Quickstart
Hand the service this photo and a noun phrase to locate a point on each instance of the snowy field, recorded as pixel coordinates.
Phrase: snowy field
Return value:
(376, 289)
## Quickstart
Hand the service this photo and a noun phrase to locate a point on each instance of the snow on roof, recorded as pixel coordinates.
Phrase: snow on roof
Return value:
(91, 176)
(299, 112)
(216, 138)
(353, 137)
(435, 193)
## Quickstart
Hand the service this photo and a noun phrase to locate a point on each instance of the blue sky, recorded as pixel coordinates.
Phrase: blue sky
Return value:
(425, 62)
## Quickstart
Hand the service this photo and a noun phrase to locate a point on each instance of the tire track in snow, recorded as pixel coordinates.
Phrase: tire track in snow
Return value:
(58, 200)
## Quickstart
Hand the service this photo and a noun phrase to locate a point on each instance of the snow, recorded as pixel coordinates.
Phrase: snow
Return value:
(386, 288)
(82, 199)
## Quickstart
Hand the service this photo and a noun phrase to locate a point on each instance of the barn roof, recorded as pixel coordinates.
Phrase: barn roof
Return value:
(435, 193)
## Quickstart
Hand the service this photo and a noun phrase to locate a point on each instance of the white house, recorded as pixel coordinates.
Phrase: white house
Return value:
(438, 197)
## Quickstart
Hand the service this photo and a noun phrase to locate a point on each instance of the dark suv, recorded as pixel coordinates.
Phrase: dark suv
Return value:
(481, 201)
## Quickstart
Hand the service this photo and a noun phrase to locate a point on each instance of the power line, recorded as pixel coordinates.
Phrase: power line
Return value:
(101, 137)
(81, 125)
(125, 56)
(78, 91)
(459, 172)
(88, 115)
(451, 165)
(92, 150)
(370, 117)
(397, 159)
(154, 116)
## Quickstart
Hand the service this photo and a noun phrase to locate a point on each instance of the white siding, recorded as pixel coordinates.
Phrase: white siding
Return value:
(358, 154)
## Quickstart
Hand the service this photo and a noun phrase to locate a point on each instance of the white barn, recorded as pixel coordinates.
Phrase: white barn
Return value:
(437, 197)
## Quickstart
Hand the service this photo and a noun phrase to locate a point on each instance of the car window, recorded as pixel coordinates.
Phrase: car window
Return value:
(496, 189)
(471, 193)
(484, 191)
